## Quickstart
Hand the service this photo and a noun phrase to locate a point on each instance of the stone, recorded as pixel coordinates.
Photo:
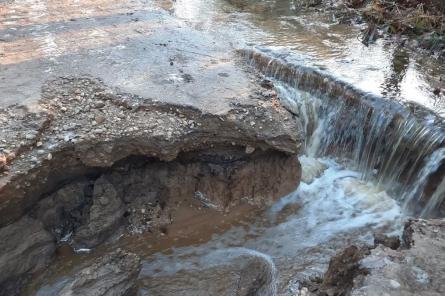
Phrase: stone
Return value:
(99, 119)
(99, 105)
(25, 247)
(3, 162)
(250, 149)
(104, 216)
(416, 268)
(392, 242)
(114, 274)
(233, 271)
(63, 211)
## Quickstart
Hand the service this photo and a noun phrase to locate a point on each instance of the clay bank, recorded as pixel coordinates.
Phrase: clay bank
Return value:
(170, 148)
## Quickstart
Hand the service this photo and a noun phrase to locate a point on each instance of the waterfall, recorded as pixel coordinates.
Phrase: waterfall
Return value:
(435, 201)
(415, 192)
(381, 138)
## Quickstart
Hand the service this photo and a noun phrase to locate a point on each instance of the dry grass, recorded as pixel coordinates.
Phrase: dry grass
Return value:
(406, 16)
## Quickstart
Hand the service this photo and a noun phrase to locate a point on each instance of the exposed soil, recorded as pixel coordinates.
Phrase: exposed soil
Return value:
(91, 161)
(186, 144)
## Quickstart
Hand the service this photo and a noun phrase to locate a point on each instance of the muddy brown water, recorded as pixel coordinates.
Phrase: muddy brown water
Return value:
(108, 39)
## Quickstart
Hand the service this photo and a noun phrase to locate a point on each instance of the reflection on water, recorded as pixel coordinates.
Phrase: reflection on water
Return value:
(399, 65)
(39, 31)
(321, 34)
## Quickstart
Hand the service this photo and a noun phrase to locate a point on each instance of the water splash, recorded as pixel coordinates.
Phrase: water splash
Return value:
(334, 208)
(435, 200)
(415, 193)
(230, 270)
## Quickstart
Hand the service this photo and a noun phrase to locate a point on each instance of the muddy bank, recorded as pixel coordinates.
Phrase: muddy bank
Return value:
(89, 160)
(417, 24)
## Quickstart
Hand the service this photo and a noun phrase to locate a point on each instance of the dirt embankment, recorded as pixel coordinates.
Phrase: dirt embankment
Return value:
(423, 21)
(90, 161)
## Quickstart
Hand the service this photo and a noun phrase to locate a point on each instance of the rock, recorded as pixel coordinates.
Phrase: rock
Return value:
(104, 216)
(10, 157)
(25, 247)
(250, 149)
(99, 119)
(235, 271)
(303, 292)
(114, 274)
(149, 128)
(392, 242)
(266, 83)
(64, 211)
(99, 105)
(3, 162)
(417, 268)
(311, 168)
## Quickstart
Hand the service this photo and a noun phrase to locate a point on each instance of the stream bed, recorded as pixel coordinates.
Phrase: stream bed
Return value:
(345, 196)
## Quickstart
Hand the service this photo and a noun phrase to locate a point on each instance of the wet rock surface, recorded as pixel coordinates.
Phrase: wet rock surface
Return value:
(415, 269)
(234, 271)
(113, 274)
(25, 247)
(104, 216)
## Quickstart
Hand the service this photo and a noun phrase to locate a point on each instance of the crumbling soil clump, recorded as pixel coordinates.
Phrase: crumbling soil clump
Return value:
(343, 269)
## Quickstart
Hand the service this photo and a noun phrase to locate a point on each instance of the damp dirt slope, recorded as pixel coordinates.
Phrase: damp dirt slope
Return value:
(89, 160)
(83, 124)
(83, 128)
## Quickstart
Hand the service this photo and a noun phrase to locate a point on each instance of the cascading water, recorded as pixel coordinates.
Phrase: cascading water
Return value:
(362, 152)
(381, 139)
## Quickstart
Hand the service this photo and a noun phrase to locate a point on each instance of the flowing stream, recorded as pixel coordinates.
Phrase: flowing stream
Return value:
(368, 163)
